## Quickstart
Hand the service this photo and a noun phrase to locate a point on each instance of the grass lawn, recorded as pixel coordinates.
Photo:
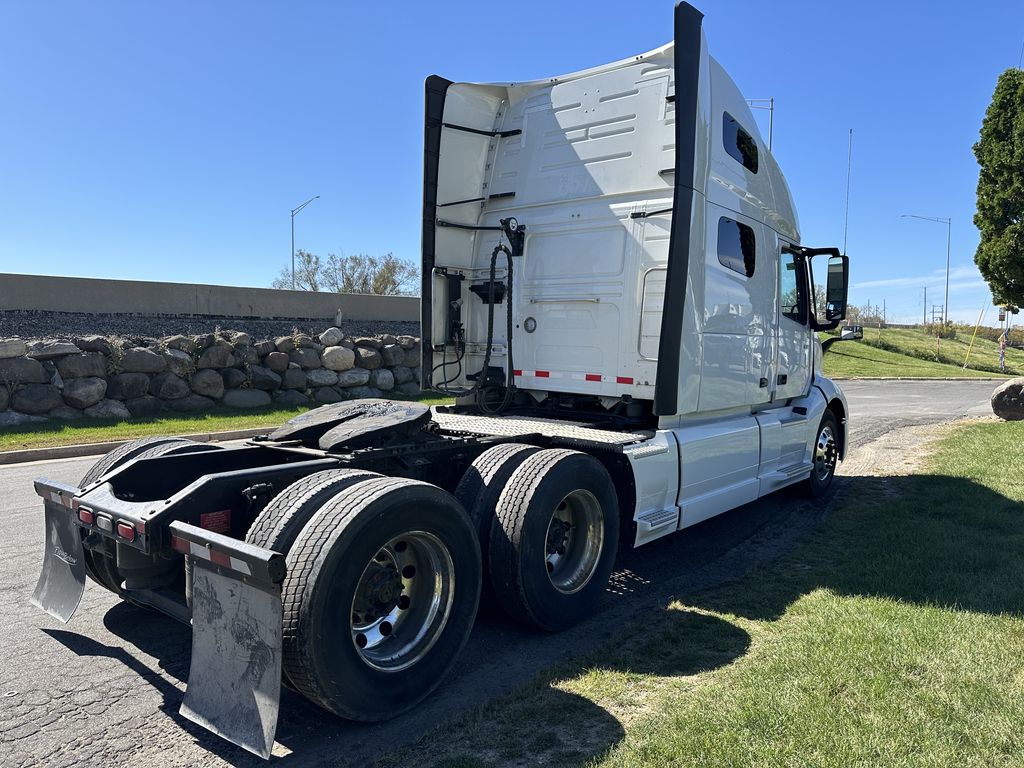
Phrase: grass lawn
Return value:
(853, 359)
(893, 635)
(51, 433)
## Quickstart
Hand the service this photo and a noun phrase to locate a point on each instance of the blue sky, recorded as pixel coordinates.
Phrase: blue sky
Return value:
(168, 141)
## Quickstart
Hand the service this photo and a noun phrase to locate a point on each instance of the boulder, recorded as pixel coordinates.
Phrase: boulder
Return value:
(264, 378)
(410, 389)
(125, 386)
(368, 358)
(321, 377)
(284, 343)
(362, 393)
(407, 342)
(368, 342)
(264, 348)
(413, 356)
(95, 343)
(392, 354)
(204, 340)
(277, 361)
(220, 355)
(401, 374)
(179, 362)
(108, 409)
(306, 358)
(339, 358)
(382, 379)
(328, 395)
(52, 349)
(304, 341)
(208, 383)
(246, 398)
(293, 378)
(15, 419)
(146, 405)
(36, 399)
(5, 397)
(241, 339)
(246, 355)
(12, 348)
(353, 377)
(1008, 400)
(168, 386)
(387, 339)
(81, 365)
(233, 378)
(291, 398)
(65, 413)
(83, 392)
(347, 343)
(331, 337)
(180, 343)
(142, 360)
(191, 404)
(21, 370)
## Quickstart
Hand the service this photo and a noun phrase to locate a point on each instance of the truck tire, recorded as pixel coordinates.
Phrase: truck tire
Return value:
(101, 568)
(825, 455)
(554, 540)
(399, 558)
(481, 486)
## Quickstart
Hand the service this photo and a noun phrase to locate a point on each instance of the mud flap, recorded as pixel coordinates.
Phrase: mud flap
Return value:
(234, 684)
(62, 581)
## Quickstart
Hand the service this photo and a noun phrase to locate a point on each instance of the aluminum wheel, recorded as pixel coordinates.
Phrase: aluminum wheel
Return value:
(825, 453)
(574, 541)
(402, 601)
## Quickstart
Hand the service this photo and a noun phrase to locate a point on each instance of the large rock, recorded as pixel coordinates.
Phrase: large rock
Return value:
(382, 379)
(368, 341)
(241, 339)
(125, 386)
(246, 355)
(204, 340)
(220, 355)
(15, 419)
(284, 343)
(328, 395)
(293, 378)
(368, 358)
(339, 358)
(362, 393)
(407, 342)
(410, 389)
(1008, 400)
(95, 343)
(108, 409)
(264, 348)
(305, 357)
(264, 378)
(401, 374)
(208, 383)
(181, 343)
(291, 398)
(52, 349)
(393, 355)
(321, 377)
(167, 386)
(140, 407)
(388, 338)
(277, 361)
(413, 356)
(21, 370)
(12, 348)
(191, 404)
(83, 392)
(354, 377)
(65, 413)
(331, 337)
(85, 364)
(179, 362)
(5, 397)
(246, 398)
(36, 399)
(304, 341)
(142, 360)
(233, 378)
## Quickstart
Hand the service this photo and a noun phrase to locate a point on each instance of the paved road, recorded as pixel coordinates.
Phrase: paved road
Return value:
(105, 689)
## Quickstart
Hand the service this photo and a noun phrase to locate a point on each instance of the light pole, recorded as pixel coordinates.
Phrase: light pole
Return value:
(949, 228)
(294, 211)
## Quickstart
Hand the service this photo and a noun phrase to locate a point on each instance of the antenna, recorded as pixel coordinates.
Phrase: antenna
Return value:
(849, 166)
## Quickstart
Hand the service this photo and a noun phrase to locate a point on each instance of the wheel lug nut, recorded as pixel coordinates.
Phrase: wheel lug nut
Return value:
(385, 628)
(361, 640)
(409, 571)
(404, 602)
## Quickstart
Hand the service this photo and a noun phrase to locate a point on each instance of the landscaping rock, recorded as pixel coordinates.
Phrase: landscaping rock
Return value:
(354, 377)
(304, 341)
(368, 358)
(12, 348)
(339, 358)
(306, 358)
(328, 395)
(291, 398)
(246, 355)
(125, 386)
(146, 406)
(1008, 400)
(208, 383)
(264, 348)
(36, 399)
(191, 404)
(65, 413)
(94, 343)
(241, 339)
(321, 377)
(407, 342)
(411, 389)
(401, 374)
(5, 397)
(382, 379)
(348, 343)
(108, 409)
(246, 398)
(331, 337)
(180, 343)
(83, 392)
(179, 362)
(293, 378)
(387, 339)
(363, 392)
(52, 349)
(264, 378)
(168, 386)
(392, 355)
(277, 361)
(203, 341)
(284, 343)
(84, 364)
(413, 356)
(141, 360)
(21, 370)
(217, 356)
(233, 378)
(15, 419)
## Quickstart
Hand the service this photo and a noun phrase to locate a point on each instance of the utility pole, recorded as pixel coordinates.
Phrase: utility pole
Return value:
(949, 228)
(294, 211)
(924, 313)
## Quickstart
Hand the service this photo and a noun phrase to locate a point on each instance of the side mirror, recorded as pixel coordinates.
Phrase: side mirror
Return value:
(836, 288)
(851, 332)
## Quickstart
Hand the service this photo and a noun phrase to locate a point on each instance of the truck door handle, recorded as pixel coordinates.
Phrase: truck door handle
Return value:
(783, 378)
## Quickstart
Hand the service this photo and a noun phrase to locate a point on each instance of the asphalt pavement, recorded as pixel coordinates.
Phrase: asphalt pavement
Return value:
(105, 689)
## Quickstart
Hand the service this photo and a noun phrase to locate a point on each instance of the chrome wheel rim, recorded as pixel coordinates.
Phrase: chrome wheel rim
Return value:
(825, 453)
(575, 539)
(402, 601)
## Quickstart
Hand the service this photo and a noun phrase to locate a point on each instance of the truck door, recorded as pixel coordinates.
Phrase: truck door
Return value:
(793, 363)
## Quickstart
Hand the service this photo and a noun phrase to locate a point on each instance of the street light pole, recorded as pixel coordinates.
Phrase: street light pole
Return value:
(295, 211)
(949, 231)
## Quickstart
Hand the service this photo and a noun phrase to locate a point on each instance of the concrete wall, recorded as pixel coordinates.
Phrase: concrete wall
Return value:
(95, 296)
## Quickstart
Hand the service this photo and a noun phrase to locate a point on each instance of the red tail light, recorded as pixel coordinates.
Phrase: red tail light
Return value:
(126, 531)
(86, 515)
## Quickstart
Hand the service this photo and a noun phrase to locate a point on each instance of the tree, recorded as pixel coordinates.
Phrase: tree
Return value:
(1000, 216)
(381, 275)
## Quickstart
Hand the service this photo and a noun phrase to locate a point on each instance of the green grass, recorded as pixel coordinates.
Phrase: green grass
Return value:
(893, 635)
(54, 432)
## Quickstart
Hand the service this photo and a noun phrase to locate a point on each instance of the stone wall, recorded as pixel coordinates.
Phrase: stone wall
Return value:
(108, 377)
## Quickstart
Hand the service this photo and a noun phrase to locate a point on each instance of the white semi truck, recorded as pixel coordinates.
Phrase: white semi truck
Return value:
(615, 292)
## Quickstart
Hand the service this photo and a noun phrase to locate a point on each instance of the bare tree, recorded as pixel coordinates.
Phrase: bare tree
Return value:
(381, 275)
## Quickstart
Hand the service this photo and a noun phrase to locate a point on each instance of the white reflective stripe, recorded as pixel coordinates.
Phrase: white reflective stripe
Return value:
(241, 566)
(198, 550)
(56, 498)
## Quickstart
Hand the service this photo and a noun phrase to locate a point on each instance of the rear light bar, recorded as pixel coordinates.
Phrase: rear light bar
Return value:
(126, 531)
(86, 515)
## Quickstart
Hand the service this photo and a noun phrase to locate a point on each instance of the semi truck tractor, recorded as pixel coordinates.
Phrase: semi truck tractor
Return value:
(616, 296)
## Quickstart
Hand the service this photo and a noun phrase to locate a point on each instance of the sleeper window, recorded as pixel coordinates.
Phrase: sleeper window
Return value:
(736, 246)
(739, 143)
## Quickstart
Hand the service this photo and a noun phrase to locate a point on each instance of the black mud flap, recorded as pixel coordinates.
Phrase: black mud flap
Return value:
(62, 581)
(234, 684)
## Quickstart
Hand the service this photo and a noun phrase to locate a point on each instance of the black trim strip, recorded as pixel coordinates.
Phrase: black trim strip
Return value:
(646, 214)
(435, 91)
(462, 202)
(471, 227)
(500, 195)
(687, 83)
(671, 99)
(467, 129)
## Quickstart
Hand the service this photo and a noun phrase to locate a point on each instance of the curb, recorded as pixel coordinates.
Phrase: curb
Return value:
(98, 449)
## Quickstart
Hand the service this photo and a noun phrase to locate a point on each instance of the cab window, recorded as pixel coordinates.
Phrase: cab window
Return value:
(736, 246)
(739, 143)
(792, 298)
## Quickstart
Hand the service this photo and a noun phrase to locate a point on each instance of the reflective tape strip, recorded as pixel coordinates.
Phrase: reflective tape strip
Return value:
(209, 553)
(591, 377)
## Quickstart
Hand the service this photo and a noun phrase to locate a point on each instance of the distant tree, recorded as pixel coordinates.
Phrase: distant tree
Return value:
(1000, 216)
(381, 275)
